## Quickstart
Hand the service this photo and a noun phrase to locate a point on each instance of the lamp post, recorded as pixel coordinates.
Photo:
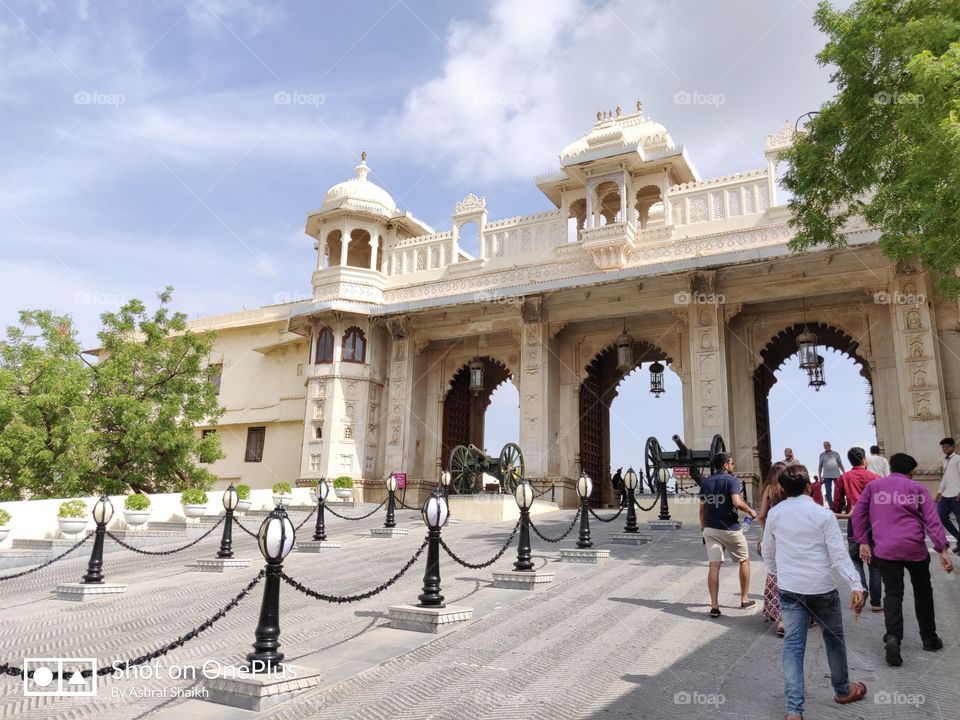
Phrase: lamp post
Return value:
(630, 480)
(434, 514)
(585, 488)
(662, 476)
(391, 520)
(102, 513)
(524, 497)
(275, 538)
(322, 492)
(230, 500)
(445, 478)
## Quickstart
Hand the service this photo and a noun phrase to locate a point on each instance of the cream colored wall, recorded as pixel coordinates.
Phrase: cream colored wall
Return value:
(281, 455)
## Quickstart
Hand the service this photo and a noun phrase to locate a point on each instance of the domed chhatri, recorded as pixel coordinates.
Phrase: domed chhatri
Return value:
(618, 132)
(359, 193)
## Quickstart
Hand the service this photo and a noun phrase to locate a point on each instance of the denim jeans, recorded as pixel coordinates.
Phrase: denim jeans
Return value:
(945, 507)
(797, 610)
(828, 491)
(875, 585)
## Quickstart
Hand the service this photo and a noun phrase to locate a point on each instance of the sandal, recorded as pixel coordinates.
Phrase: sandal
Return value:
(715, 612)
(781, 631)
(791, 716)
(857, 692)
(747, 604)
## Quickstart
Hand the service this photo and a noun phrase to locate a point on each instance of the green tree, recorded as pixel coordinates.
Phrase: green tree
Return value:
(887, 146)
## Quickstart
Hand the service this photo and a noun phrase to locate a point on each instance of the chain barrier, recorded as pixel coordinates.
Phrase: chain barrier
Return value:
(362, 596)
(7, 669)
(48, 562)
(304, 521)
(190, 544)
(402, 504)
(656, 499)
(481, 566)
(361, 517)
(543, 492)
(609, 519)
(555, 540)
(251, 533)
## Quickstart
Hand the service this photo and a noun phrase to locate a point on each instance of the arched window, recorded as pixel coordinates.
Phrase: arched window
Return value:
(324, 346)
(354, 345)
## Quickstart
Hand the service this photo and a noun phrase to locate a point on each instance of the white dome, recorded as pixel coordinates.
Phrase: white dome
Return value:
(629, 132)
(360, 194)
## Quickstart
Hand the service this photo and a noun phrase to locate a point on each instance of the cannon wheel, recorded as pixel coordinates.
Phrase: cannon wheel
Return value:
(461, 475)
(717, 445)
(652, 459)
(511, 467)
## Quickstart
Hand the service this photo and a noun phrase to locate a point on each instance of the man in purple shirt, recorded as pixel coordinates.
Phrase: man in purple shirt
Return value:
(896, 511)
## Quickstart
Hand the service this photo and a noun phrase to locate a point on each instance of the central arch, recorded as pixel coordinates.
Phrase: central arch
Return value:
(463, 410)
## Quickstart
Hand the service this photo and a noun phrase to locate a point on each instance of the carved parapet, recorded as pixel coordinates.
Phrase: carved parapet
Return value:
(610, 245)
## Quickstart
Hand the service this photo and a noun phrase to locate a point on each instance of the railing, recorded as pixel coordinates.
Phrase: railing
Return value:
(719, 198)
(523, 235)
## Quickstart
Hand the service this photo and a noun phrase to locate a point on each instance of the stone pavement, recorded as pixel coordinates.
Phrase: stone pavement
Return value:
(629, 638)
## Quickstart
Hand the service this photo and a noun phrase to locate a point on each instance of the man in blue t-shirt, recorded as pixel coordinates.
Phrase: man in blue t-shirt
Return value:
(721, 495)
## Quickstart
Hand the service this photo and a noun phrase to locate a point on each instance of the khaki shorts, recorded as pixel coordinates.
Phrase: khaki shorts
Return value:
(725, 541)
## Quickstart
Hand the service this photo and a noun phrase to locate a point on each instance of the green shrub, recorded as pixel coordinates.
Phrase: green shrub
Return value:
(243, 492)
(136, 501)
(4, 517)
(344, 481)
(73, 509)
(282, 488)
(193, 496)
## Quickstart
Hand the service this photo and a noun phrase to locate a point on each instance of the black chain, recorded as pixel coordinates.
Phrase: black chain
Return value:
(6, 669)
(402, 504)
(243, 527)
(121, 543)
(361, 517)
(543, 492)
(48, 562)
(304, 521)
(481, 566)
(362, 596)
(656, 499)
(609, 519)
(555, 540)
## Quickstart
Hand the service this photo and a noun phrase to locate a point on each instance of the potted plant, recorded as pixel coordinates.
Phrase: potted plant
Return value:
(4, 520)
(194, 502)
(243, 498)
(343, 487)
(72, 517)
(136, 509)
(282, 493)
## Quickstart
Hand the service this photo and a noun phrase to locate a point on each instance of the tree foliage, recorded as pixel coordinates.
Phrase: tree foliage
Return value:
(73, 426)
(887, 146)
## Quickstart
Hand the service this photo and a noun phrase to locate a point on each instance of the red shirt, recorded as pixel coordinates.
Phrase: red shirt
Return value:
(850, 485)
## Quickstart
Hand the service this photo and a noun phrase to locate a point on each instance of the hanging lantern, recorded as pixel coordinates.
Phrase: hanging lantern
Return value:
(476, 376)
(656, 379)
(817, 378)
(807, 345)
(625, 352)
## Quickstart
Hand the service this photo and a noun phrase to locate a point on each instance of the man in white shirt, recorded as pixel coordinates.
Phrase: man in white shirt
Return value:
(802, 543)
(877, 463)
(948, 494)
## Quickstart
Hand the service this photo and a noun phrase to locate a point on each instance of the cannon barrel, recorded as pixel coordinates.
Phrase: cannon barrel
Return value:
(476, 451)
(684, 450)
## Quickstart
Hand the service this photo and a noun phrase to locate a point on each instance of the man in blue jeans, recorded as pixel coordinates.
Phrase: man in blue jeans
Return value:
(802, 543)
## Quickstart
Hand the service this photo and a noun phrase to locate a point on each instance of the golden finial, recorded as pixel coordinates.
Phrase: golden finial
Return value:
(598, 115)
(363, 156)
(639, 106)
(618, 111)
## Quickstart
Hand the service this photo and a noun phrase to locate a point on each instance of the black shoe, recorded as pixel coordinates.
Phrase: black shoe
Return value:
(933, 644)
(892, 646)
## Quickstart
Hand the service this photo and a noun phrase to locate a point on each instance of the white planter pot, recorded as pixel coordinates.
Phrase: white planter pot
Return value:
(282, 499)
(343, 493)
(194, 511)
(71, 526)
(4, 531)
(136, 518)
(244, 505)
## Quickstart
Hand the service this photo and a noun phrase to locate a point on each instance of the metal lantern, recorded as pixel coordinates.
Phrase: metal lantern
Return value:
(230, 499)
(656, 379)
(663, 475)
(434, 511)
(476, 376)
(276, 535)
(102, 510)
(322, 491)
(524, 494)
(817, 378)
(445, 478)
(630, 480)
(391, 483)
(807, 345)
(584, 486)
(625, 352)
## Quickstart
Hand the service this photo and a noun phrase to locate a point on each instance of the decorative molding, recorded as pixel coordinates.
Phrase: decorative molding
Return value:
(471, 204)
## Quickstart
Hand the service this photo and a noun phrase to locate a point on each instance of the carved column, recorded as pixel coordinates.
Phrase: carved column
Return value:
(535, 395)
(399, 403)
(374, 246)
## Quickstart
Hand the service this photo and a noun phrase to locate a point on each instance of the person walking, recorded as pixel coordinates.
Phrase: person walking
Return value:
(788, 457)
(849, 488)
(830, 468)
(896, 511)
(721, 495)
(770, 495)
(619, 488)
(948, 494)
(877, 463)
(802, 545)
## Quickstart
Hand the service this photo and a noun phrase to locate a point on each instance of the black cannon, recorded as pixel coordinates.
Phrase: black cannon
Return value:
(468, 463)
(696, 461)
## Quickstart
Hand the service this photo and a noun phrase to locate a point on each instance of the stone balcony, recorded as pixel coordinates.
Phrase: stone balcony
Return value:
(348, 283)
(610, 245)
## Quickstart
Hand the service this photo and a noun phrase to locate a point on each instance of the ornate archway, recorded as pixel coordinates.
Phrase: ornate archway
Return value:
(775, 353)
(463, 410)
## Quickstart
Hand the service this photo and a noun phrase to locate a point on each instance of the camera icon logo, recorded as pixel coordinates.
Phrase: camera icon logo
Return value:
(60, 677)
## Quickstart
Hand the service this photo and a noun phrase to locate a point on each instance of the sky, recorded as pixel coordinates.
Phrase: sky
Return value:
(184, 142)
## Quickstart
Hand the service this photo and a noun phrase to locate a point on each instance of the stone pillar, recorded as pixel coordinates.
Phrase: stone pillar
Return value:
(623, 199)
(399, 444)
(344, 246)
(535, 395)
(588, 219)
(374, 245)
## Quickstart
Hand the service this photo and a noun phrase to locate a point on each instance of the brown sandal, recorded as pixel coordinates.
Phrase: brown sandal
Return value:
(857, 692)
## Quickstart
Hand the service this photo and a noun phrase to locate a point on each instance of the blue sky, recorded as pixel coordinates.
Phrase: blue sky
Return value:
(149, 143)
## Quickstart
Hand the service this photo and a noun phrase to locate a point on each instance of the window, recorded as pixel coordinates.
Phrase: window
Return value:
(324, 346)
(354, 345)
(255, 438)
(215, 374)
(314, 462)
(318, 433)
